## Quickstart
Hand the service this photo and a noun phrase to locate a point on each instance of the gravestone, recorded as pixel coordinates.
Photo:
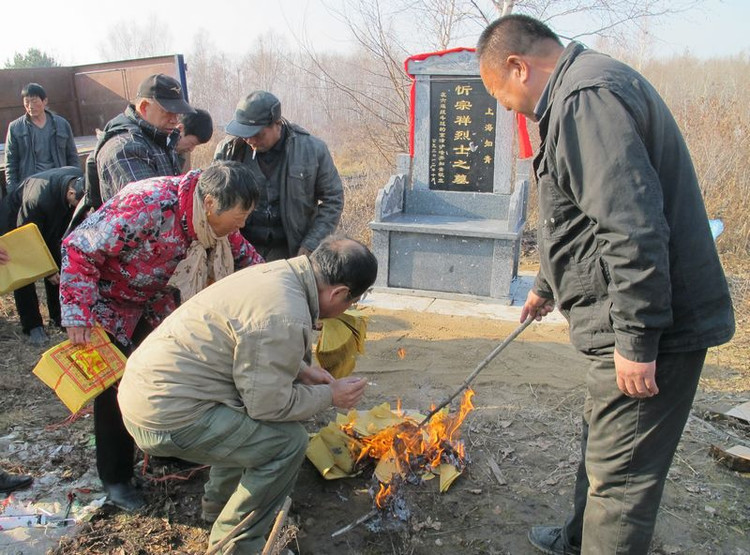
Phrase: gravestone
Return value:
(449, 222)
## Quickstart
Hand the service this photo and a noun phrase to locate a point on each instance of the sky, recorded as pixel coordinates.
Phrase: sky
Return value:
(72, 30)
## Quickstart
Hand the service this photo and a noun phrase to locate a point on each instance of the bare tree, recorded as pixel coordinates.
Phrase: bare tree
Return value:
(136, 39)
(263, 66)
(442, 21)
(372, 80)
(212, 79)
(613, 20)
(388, 31)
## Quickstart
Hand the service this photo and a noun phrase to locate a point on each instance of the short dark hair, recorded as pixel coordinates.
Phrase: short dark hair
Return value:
(76, 184)
(33, 89)
(199, 124)
(513, 34)
(230, 183)
(339, 260)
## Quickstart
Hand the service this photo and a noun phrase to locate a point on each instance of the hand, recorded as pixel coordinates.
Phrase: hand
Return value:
(304, 252)
(4, 257)
(79, 335)
(636, 379)
(315, 375)
(54, 279)
(347, 392)
(537, 307)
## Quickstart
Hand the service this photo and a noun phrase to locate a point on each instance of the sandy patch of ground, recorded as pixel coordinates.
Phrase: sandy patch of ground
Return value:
(527, 419)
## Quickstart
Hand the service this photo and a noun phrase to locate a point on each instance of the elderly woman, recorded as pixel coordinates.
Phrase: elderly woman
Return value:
(125, 265)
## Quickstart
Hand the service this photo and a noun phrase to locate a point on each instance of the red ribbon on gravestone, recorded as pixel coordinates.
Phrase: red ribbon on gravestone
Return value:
(524, 144)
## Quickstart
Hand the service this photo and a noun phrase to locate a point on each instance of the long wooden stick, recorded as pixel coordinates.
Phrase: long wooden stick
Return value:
(496, 351)
(232, 533)
(357, 522)
(277, 527)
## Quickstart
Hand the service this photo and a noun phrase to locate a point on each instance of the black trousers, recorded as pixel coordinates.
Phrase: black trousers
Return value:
(115, 449)
(27, 305)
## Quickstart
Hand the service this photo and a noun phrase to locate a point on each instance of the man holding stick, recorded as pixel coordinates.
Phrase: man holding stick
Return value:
(627, 254)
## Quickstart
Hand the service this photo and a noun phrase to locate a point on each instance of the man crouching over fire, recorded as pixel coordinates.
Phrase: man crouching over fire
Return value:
(224, 380)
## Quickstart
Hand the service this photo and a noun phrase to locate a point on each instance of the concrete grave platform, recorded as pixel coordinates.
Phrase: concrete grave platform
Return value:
(477, 307)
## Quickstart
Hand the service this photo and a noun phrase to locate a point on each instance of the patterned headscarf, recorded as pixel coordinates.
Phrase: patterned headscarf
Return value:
(208, 259)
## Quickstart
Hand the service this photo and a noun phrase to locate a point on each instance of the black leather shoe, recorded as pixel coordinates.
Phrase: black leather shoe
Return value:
(549, 540)
(124, 496)
(12, 482)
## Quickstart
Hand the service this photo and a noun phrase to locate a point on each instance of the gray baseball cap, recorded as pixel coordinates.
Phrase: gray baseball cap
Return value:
(254, 112)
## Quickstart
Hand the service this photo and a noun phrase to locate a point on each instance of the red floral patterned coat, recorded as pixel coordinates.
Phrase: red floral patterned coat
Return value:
(116, 264)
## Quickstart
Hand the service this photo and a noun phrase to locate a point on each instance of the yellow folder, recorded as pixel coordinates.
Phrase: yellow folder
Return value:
(30, 258)
(78, 373)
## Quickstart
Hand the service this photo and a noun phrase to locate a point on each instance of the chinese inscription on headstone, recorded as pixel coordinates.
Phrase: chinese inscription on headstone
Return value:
(462, 135)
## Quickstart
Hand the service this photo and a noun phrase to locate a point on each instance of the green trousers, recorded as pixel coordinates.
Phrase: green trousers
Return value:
(627, 447)
(254, 466)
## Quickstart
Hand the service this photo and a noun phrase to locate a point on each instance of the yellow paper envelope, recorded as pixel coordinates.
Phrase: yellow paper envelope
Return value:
(333, 452)
(78, 373)
(30, 258)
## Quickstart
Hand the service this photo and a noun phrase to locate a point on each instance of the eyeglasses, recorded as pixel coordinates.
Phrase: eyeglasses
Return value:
(361, 298)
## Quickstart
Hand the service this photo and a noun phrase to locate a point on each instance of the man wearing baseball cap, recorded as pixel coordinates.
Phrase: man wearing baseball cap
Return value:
(301, 195)
(139, 143)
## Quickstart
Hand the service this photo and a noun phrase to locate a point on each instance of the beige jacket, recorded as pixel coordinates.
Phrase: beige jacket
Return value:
(241, 342)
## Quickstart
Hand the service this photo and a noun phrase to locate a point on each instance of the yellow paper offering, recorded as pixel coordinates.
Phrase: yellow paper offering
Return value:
(78, 373)
(341, 340)
(30, 258)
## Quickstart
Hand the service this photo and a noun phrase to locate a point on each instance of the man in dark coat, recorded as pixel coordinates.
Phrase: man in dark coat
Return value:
(46, 199)
(37, 141)
(301, 196)
(627, 254)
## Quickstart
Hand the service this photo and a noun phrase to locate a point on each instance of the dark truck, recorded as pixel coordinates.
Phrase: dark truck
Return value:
(88, 96)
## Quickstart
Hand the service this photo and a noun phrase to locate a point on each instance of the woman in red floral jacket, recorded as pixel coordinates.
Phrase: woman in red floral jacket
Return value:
(125, 266)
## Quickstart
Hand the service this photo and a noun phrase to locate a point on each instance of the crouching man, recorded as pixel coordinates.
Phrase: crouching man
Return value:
(227, 377)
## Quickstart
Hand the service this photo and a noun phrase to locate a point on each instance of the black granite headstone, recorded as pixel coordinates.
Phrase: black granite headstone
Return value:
(462, 135)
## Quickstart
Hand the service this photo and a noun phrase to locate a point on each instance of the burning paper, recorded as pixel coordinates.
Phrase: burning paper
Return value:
(402, 449)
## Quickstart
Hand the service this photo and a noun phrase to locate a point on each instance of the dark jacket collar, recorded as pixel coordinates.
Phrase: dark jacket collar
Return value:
(131, 118)
(568, 56)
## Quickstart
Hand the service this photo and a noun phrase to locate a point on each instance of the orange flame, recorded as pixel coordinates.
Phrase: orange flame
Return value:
(381, 498)
(412, 447)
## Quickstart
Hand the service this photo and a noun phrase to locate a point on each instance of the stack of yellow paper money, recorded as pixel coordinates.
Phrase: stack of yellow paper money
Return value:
(79, 373)
(341, 340)
(30, 258)
(335, 453)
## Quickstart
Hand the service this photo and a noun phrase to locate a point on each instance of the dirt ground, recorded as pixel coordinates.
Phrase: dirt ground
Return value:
(527, 420)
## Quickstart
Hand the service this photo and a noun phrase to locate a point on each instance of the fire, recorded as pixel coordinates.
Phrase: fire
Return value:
(407, 450)
(381, 498)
